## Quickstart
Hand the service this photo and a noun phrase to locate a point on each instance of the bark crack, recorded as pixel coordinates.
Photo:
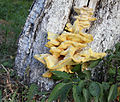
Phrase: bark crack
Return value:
(32, 6)
(70, 14)
(88, 3)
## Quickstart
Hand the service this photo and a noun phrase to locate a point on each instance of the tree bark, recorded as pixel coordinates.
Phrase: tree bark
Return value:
(52, 15)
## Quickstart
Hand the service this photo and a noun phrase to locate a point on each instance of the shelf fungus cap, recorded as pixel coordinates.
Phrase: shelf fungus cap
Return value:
(78, 26)
(75, 37)
(85, 18)
(84, 66)
(50, 61)
(41, 57)
(75, 28)
(67, 49)
(47, 74)
(52, 43)
(84, 10)
(55, 51)
(69, 27)
(66, 68)
(53, 40)
(52, 36)
(67, 60)
(67, 43)
(87, 55)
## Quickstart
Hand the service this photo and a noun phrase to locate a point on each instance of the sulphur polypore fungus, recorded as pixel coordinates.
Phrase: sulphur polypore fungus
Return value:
(67, 49)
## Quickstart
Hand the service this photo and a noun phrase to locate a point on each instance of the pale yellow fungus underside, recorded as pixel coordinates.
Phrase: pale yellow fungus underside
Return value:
(47, 74)
(67, 49)
(75, 37)
(41, 57)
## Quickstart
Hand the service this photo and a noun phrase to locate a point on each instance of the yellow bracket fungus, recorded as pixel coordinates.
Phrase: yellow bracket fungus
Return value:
(67, 49)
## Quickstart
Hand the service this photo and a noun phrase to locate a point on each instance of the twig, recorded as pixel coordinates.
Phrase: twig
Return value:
(2, 86)
(4, 68)
(9, 85)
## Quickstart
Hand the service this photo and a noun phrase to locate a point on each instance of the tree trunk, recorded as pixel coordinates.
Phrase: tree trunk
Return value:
(52, 15)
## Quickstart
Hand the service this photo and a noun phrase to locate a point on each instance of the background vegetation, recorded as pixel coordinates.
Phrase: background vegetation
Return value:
(13, 14)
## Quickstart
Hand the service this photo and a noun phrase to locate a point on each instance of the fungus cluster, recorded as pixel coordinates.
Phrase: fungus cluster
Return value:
(68, 48)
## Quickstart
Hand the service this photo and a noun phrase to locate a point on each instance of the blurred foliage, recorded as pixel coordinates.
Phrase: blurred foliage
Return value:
(13, 14)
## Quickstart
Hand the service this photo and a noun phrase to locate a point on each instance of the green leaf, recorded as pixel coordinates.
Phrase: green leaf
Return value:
(76, 79)
(94, 63)
(88, 74)
(58, 90)
(112, 93)
(6, 63)
(56, 78)
(117, 47)
(105, 86)
(77, 68)
(42, 93)
(64, 95)
(0, 96)
(81, 85)
(31, 92)
(35, 101)
(101, 99)
(96, 99)
(66, 80)
(81, 75)
(112, 71)
(75, 94)
(118, 71)
(109, 51)
(94, 89)
(63, 75)
(110, 57)
(86, 94)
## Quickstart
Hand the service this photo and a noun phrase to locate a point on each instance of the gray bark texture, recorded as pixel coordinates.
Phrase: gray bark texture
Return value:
(52, 15)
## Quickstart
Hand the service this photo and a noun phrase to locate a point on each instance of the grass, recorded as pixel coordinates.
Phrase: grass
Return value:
(13, 14)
